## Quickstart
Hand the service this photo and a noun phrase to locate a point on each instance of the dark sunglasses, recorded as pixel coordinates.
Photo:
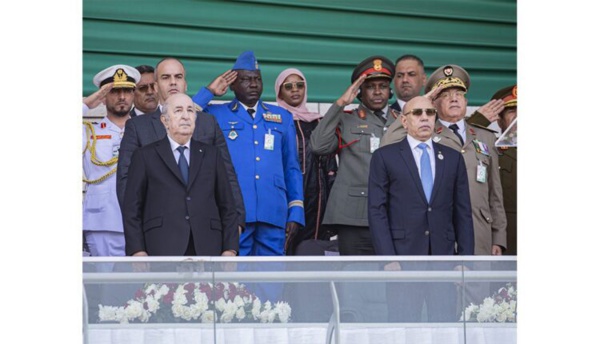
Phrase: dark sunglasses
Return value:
(419, 112)
(290, 85)
(144, 88)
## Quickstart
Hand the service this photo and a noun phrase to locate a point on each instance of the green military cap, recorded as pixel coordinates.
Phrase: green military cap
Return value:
(508, 95)
(448, 76)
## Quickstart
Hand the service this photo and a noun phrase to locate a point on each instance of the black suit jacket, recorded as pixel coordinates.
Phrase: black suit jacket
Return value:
(160, 209)
(401, 220)
(142, 130)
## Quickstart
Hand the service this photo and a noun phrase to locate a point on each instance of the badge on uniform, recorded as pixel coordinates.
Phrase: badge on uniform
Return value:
(270, 117)
(374, 142)
(269, 141)
(481, 147)
(232, 135)
(481, 172)
(115, 151)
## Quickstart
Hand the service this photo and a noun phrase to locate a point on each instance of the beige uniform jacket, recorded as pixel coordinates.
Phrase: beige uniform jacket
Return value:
(489, 218)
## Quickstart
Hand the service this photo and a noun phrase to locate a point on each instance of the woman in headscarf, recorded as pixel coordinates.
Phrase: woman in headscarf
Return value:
(318, 171)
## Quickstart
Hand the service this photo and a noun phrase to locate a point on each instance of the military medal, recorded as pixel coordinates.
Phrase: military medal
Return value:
(272, 117)
(232, 135)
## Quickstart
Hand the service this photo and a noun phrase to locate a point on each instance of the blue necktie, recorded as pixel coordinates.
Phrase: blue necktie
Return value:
(183, 165)
(426, 174)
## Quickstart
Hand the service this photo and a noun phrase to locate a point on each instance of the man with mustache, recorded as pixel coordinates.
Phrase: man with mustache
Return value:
(102, 225)
(145, 99)
(355, 137)
(169, 76)
(191, 210)
(409, 80)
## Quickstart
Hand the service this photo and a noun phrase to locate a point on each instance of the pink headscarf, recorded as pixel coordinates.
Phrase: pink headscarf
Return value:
(300, 112)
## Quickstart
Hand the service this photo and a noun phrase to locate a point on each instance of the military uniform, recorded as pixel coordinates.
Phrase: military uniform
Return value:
(354, 137)
(263, 152)
(102, 220)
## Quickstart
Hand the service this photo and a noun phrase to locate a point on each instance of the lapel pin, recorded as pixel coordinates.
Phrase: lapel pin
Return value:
(440, 156)
(436, 139)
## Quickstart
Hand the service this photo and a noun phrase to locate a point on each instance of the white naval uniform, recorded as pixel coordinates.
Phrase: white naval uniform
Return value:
(102, 221)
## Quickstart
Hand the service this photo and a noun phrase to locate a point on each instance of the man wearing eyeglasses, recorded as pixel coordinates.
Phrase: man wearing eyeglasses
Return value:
(355, 137)
(419, 205)
(145, 98)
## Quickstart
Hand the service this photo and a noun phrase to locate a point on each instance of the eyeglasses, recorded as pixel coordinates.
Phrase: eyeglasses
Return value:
(451, 94)
(419, 112)
(290, 85)
(144, 88)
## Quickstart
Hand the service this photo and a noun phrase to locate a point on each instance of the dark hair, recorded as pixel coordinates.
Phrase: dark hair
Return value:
(410, 57)
(145, 69)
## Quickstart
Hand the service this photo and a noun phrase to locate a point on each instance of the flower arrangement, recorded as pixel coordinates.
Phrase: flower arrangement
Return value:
(501, 307)
(199, 302)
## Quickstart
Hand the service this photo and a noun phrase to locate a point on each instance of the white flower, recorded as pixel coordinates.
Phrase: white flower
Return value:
(238, 301)
(240, 314)
(256, 305)
(208, 317)
(220, 304)
(283, 311)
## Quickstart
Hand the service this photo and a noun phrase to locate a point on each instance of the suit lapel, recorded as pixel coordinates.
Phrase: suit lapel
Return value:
(409, 160)
(439, 169)
(196, 158)
(163, 148)
(159, 128)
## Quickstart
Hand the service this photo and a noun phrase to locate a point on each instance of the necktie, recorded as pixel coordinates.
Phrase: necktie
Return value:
(426, 174)
(379, 114)
(454, 128)
(251, 113)
(183, 164)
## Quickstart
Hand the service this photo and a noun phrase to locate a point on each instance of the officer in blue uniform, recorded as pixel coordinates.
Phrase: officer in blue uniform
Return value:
(102, 221)
(262, 141)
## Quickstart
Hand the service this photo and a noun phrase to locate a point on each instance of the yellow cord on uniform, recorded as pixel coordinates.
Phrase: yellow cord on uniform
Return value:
(90, 132)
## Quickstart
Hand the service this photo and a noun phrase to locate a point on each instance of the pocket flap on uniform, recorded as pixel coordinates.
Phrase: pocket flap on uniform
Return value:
(279, 182)
(486, 215)
(152, 223)
(362, 131)
(232, 126)
(357, 192)
(215, 225)
(398, 233)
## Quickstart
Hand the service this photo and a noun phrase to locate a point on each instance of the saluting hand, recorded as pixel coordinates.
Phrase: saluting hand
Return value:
(433, 93)
(219, 86)
(352, 91)
(98, 97)
(492, 109)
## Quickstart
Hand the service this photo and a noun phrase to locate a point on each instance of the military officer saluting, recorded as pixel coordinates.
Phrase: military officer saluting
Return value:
(102, 222)
(262, 141)
(355, 137)
(508, 164)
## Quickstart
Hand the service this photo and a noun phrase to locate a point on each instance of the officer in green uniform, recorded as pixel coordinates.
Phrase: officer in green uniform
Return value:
(508, 164)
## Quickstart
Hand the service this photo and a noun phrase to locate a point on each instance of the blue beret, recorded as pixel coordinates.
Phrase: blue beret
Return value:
(246, 61)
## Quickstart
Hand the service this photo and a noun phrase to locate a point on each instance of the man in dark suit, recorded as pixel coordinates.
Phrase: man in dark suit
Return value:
(178, 200)
(145, 99)
(419, 205)
(142, 130)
